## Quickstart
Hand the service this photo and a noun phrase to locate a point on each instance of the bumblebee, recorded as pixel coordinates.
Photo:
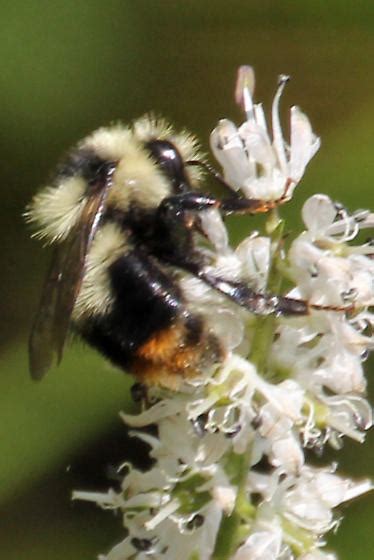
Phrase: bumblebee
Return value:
(124, 217)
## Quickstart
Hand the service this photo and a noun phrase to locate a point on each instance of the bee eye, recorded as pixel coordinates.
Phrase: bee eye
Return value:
(166, 155)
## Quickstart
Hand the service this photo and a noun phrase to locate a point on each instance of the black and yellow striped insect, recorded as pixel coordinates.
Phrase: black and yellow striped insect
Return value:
(123, 215)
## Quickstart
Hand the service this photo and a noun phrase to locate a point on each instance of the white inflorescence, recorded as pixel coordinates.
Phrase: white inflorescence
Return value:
(232, 445)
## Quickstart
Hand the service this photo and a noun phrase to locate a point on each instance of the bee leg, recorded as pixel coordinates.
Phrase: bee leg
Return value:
(139, 393)
(174, 207)
(256, 302)
(261, 303)
(174, 210)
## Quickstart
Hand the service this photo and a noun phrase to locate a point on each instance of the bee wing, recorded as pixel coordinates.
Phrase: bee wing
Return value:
(41, 341)
(63, 283)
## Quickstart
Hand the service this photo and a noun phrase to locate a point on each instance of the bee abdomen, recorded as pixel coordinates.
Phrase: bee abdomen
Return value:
(176, 353)
(149, 330)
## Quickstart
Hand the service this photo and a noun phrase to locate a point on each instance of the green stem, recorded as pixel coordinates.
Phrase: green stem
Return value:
(265, 326)
(275, 228)
(230, 534)
(227, 539)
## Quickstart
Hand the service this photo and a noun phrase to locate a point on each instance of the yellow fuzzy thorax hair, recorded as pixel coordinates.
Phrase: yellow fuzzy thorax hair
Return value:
(56, 209)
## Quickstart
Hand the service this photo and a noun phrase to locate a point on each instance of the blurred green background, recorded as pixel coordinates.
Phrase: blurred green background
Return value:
(69, 67)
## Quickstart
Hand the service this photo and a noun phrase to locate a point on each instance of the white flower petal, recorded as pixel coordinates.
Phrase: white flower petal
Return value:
(160, 410)
(304, 144)
(254, 254)
(287, 454)
(213, 227)
(258, 146)
(227, 148)
(318, 214)
(342, 373)
(261, 545)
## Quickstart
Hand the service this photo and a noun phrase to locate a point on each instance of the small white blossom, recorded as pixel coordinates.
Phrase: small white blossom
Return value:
(309, 500)
(326, 269)
(262, 166)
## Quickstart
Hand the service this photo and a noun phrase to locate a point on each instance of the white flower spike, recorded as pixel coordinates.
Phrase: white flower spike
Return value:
(230, 479)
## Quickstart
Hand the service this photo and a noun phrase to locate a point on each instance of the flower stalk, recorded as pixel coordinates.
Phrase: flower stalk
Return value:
(265, 326)
(230, 530)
